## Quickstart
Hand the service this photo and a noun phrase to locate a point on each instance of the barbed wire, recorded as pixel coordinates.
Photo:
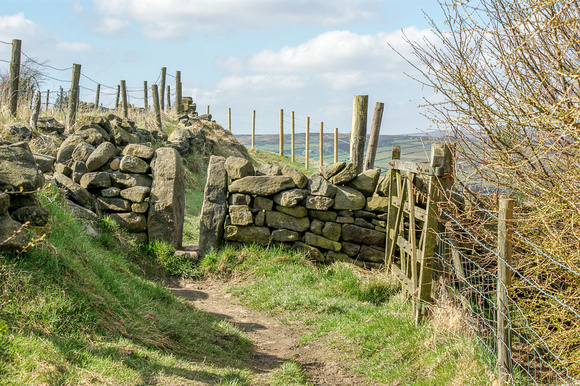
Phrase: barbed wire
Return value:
(44, 64)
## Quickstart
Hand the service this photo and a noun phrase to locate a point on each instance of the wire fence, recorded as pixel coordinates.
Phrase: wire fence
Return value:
(467, 262)
(54, 85)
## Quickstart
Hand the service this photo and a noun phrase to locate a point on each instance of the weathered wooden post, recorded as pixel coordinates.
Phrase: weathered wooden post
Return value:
(229, 119)
(162, 88)
(335, 144)
(440, 178)
(145, 97)
(73, 96)
(358, 132)
(292, 138)
(97, 96)
(14, 76)
(177, 90)
(374, 137)
(124, 99)
(504, 262)
(168, 98)
(60, 99)
(307, 143)
(117, 97)
(321, 144)
(35, 110)
(281, 132)
(156, 106)
(47, 100)
(253, 128)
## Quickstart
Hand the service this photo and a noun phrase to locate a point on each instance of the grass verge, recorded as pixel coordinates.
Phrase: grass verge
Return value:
(363, 317)
(80, 310)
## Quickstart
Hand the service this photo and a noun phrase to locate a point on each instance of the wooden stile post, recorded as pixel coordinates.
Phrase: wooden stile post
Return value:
(47, 100)
(177, 91)
(374, 137)
(124, 99)
(504, 235)
(321, 144)
(229, 119)
(292, 138)
(156, 106)
(35, 110)
(162, 88)
(442, 167)
(307, 143)
(14, 76)
(73, 96)
(97, 96)
(281, 152)
(358, 132)
(168, 98)
(253, 128)
(335, 144)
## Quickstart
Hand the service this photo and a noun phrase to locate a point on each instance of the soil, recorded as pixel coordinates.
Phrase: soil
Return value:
(273, 342)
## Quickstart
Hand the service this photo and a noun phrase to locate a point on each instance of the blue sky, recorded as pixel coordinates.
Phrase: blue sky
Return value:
(307, 56)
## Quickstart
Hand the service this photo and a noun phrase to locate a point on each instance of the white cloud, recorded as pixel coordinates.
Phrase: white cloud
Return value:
(18, 27)
(262, 83)
(77, 7)
(111, 25)
(174, 18)
(336, 51)
(74, 46)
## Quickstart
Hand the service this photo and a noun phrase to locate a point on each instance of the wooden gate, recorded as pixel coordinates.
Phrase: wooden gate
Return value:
(416, 190)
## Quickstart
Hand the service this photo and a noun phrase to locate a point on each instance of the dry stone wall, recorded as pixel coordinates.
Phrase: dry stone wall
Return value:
(333, 215)
(105, 166)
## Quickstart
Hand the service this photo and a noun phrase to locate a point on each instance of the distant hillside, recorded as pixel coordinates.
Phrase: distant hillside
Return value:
(413, 147)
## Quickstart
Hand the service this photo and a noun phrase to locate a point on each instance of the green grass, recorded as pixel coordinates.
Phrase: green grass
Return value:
(81, 310)
(365, 318)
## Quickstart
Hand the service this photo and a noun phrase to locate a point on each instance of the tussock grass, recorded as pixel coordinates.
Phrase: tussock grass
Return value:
(363, 316)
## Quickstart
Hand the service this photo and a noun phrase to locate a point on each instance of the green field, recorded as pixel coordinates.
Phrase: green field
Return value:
(413, 148)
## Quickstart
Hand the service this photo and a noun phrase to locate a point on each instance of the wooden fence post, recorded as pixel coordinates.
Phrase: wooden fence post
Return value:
(281, 152)
(504, 235)
(229, 119)
(117, 97)
(168, 98)
(292, 137)
(124, 99)
(307, 143)
(47, 100)
(321, 144)
(14, 76)
(156, 106)
(374, 137)
(97, 96)
(177, 91)
(335, 144)
(162, 89)
(145, 97)
(393, 175)
(35, 110)
(358, 133)
(73, 96)
(60, 99)
(253, 129)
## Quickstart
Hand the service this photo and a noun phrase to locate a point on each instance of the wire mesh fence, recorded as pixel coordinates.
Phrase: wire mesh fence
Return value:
(467, 269)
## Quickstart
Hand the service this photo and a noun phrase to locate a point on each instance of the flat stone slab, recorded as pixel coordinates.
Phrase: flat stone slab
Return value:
(262, 185)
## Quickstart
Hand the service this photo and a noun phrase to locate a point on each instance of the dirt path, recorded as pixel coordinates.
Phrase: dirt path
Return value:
(273, 342)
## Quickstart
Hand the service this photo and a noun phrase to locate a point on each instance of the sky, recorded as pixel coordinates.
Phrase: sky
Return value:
(306, 56)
